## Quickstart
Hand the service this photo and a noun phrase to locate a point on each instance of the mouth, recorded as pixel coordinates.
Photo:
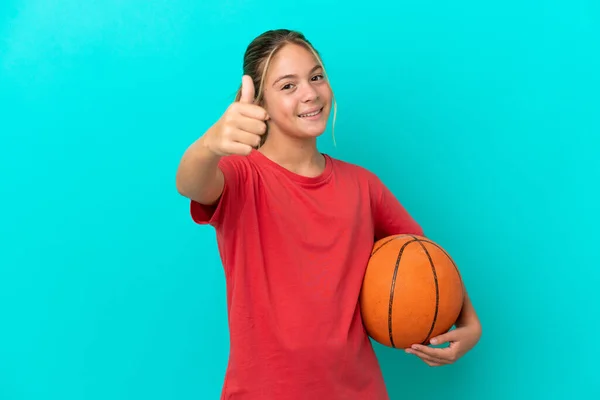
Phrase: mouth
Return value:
(311, 113)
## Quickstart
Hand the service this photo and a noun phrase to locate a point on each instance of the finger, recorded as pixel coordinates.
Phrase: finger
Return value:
(251, 125)
(253, 111)
(445, 354)
(427, 358)
(433, 364)
(450, 336)
(246, 138)
(237, 148)
(247, 95)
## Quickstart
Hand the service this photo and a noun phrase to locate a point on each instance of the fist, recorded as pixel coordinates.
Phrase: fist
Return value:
(241, 126)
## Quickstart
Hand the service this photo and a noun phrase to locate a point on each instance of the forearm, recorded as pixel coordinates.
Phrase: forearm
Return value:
(198, 176)
(468, 315)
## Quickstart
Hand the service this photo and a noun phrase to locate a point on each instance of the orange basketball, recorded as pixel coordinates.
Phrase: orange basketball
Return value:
(412, 291)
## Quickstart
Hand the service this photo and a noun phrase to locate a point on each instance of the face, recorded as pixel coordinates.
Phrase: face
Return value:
(296, 93)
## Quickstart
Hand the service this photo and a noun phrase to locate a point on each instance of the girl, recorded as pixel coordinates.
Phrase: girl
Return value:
(295, 229)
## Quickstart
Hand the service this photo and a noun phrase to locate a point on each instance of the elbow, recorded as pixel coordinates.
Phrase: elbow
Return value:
(192, 191)
(181, 185)
(180, 189)
(184, 190)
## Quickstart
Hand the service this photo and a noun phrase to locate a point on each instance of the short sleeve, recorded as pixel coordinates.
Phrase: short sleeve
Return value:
(235, 171)
(389, 216)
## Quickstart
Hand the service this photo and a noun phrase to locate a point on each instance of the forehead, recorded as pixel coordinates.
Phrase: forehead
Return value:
(292, 59)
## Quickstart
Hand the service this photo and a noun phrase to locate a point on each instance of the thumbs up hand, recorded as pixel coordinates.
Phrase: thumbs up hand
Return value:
(240, 127)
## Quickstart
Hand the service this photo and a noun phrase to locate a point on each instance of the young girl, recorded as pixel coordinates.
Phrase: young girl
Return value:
(295, 229)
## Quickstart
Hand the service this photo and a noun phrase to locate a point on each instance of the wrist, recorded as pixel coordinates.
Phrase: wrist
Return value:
(203, 150)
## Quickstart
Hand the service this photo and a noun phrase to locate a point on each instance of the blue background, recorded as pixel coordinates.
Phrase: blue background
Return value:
(482, 117)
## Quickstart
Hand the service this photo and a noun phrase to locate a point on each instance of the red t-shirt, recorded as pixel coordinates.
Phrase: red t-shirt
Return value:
(294, 250)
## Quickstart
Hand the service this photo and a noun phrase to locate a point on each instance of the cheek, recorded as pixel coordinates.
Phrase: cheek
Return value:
(288, 106)
(325, 94)
(275, 103)
(282, 109)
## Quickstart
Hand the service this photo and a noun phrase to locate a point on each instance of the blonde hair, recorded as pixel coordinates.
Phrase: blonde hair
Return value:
(257, 59)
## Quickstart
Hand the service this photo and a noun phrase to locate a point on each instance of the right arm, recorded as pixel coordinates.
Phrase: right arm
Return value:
(198, 176)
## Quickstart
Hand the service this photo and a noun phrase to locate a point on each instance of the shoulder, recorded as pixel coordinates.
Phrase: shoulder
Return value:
(366, 179)
(357, 171)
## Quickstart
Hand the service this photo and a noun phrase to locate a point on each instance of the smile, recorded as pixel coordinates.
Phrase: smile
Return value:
(311, 114)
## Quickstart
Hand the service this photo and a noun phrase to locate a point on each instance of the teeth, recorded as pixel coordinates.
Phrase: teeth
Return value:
(312, 114)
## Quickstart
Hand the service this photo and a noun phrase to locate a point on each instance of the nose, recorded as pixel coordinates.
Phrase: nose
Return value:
(309, 93)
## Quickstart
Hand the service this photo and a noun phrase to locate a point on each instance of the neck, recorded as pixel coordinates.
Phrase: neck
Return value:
(297, 155)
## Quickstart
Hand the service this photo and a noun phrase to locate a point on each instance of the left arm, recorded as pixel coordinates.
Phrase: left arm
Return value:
(391, 218)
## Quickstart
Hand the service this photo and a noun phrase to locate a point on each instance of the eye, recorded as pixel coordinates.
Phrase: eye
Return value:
(287, 86)
(317, 77)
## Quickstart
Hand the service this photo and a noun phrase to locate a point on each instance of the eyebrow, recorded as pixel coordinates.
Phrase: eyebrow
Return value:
(315, 68)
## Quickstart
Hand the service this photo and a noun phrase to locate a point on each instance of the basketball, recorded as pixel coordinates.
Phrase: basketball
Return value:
(412, 291)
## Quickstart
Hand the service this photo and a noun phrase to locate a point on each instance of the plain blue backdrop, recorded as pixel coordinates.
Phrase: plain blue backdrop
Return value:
(482, 117)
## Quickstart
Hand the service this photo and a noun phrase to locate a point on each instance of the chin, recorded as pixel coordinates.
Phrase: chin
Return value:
(310, 132)
(314, 134)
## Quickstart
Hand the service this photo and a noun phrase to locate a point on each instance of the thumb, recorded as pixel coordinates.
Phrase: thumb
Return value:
(247, 95)
(450, 336)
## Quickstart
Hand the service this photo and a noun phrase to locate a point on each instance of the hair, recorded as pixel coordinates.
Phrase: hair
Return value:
(257, 59)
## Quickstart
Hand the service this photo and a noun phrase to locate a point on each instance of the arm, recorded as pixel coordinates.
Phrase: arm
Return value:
(199, 177)
(468, 315)
(216, 185)
(391, 218)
